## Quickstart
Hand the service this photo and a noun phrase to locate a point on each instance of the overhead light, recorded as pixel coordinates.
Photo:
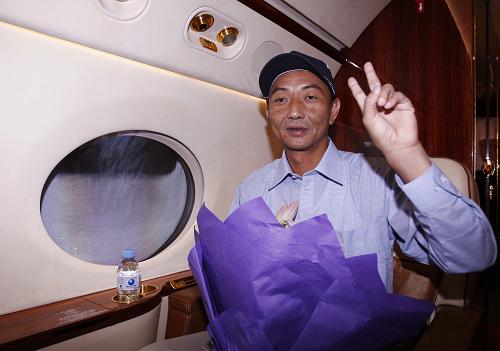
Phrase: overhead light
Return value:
(228, 36)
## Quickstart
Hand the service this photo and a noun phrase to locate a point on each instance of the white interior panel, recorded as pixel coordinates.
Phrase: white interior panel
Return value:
(162, 320)
(157, 35)
(130, 335)
(58, 95)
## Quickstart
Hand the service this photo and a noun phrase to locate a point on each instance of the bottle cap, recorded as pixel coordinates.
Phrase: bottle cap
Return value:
(128, 253)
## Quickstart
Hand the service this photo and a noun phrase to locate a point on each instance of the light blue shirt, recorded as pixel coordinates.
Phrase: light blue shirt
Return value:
(370, 207)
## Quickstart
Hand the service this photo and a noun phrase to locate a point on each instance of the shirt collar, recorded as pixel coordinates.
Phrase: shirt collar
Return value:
(329, 167)
(280, 172)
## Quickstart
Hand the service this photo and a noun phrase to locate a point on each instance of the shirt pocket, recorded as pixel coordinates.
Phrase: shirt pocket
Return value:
(366, 238)
(358, 241)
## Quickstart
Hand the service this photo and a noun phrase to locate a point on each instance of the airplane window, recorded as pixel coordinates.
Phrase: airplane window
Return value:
(117, 191)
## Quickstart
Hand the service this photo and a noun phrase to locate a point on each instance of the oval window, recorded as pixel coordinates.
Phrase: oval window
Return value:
(123, 190)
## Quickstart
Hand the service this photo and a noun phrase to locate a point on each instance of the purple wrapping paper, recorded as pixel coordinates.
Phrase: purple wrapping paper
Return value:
(266, 287)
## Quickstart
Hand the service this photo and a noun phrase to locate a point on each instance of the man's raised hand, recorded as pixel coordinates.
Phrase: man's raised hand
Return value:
(389, 118)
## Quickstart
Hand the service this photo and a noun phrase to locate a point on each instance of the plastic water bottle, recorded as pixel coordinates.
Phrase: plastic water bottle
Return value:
(128, 278)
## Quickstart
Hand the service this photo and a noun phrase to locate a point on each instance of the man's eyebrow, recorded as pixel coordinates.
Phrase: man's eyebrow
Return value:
(314, 86)
(275, 89)
(305, 87)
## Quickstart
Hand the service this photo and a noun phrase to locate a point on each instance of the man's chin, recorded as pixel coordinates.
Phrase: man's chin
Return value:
(303, 145)
(296, 147)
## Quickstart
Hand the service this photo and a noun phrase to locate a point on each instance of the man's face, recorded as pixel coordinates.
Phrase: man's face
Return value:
(300, 110)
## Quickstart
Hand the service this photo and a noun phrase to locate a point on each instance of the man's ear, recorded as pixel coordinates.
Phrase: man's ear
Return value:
(334, 111)
(267, 110)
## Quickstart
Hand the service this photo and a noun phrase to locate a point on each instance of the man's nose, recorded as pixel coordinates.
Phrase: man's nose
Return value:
(296, 111)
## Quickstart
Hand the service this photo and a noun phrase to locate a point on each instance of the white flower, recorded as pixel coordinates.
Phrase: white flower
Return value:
(286, 214)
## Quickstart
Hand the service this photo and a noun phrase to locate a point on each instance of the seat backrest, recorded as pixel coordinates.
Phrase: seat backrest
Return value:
(459, 175)
(427, 282)
(458, 289)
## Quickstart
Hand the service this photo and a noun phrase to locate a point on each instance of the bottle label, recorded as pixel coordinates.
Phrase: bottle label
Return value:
(128, 282)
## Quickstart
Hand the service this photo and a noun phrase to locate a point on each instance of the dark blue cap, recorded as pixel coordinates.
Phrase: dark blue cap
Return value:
(291, 61)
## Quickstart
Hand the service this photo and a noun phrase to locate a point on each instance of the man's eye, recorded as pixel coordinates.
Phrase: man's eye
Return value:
(311, 97)
(279, 100)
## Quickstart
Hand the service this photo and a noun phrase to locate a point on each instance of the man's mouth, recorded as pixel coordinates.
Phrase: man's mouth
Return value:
(296, 131)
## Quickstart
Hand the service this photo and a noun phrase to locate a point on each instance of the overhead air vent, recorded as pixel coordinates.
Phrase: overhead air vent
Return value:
(214, 33)
(201, 22)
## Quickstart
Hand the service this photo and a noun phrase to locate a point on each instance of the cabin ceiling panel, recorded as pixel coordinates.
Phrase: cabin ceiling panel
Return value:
(157, 36)
(343, 19)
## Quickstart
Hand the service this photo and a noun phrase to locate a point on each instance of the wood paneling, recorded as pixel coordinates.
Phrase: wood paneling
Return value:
(46, 325)
(424, 56)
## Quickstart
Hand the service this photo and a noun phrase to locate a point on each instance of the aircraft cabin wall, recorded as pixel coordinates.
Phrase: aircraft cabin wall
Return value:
(78, 74)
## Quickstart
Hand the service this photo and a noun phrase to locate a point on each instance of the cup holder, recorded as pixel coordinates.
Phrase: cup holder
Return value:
(148, 289)
(145, 290)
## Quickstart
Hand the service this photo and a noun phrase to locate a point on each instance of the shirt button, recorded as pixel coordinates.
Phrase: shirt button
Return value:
(436, 188)
(443, 178)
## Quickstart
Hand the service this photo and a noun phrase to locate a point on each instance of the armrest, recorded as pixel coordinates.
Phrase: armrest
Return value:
(186, 313)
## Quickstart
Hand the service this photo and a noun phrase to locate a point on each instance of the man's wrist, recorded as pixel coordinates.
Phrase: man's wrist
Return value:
(409, 163)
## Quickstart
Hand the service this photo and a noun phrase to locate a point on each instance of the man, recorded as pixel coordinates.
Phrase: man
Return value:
(410, 200)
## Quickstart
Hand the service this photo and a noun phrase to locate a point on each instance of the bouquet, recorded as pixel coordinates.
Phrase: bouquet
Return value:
(270, 287)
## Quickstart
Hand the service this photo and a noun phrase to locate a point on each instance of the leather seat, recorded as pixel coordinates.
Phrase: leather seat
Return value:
(459, 321)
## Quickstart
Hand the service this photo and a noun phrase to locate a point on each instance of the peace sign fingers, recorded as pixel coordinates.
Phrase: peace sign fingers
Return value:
(358, 93)
(372, 78)
(373, 83)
